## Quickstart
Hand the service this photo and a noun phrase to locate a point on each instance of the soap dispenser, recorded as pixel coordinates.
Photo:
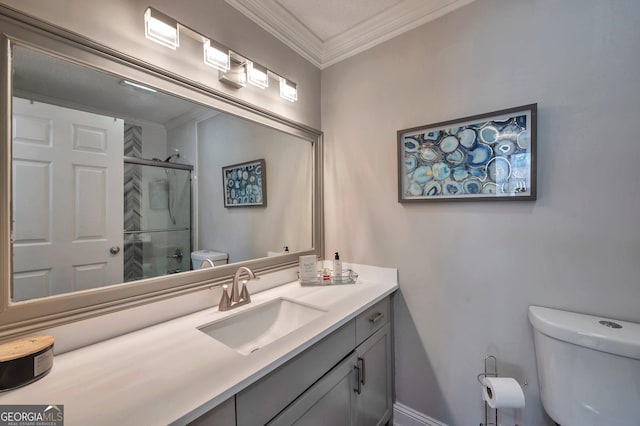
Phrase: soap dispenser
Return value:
(337, 266)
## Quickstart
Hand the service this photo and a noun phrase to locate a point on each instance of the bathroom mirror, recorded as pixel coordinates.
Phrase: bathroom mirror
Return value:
(115, 181)
(117, 188)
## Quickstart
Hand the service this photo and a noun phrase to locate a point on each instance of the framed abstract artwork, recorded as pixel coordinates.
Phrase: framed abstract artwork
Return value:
(489, 156)
(245, 184)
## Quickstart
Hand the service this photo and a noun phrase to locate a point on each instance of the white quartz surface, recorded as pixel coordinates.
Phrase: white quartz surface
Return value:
(172, 372)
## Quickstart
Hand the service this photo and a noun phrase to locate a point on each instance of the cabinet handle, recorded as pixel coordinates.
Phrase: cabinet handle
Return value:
(358, 388)
(377, 317)
(361, 368)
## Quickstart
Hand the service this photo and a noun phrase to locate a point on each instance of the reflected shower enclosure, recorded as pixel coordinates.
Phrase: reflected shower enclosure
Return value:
(157, 218)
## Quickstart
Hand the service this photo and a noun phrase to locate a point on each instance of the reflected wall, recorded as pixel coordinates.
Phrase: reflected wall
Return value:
(252, 232)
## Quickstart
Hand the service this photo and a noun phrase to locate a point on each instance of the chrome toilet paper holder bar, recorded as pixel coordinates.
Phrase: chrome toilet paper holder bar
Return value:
(491, 373)
(488, 373)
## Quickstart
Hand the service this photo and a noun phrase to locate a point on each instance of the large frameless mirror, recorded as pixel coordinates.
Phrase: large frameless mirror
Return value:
(119, 180)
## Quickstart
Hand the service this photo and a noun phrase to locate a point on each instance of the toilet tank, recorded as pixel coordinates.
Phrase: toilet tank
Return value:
(588, 368)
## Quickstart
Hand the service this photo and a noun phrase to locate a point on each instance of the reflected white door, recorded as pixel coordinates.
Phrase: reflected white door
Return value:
(67, 200)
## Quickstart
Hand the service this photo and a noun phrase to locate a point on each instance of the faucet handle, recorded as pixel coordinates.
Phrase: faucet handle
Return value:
(244, 294)
(225, 302)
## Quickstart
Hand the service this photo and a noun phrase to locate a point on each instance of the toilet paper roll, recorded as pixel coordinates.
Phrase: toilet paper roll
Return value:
(502, 392)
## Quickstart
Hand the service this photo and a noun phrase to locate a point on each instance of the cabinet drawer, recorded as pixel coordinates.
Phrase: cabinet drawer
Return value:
(372, 320)
(260, 402)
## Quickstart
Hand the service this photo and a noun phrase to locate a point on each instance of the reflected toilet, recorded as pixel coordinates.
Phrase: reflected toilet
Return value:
(218, 258)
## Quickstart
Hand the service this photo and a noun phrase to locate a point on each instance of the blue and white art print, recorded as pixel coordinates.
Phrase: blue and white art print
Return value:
(484, 157)
(245, 184)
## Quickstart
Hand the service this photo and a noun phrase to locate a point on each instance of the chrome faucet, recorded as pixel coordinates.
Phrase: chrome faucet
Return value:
(238, 297)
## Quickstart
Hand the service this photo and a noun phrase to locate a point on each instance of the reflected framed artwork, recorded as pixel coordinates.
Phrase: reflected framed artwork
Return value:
(489, 156)
(245, 184)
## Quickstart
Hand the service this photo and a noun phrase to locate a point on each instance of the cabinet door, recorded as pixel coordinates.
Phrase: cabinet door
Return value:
(373, 403)
(329, 402)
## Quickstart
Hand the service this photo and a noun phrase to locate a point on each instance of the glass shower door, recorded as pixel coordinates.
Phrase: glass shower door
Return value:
(157, 219)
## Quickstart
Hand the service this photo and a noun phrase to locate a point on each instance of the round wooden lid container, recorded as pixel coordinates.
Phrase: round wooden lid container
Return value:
(25, 360)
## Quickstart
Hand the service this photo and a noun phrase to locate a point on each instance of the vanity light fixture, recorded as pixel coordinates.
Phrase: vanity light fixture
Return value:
(236, 76)
(161, 28)
(288, 90)
(234, 69)
(216, 55)
(257, 75)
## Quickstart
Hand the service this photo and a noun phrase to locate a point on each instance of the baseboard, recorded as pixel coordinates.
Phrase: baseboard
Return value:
(405, 416)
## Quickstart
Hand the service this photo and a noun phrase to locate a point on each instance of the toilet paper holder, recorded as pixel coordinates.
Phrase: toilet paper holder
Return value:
(491, 372)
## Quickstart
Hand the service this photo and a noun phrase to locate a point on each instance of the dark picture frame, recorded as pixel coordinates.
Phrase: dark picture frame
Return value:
(245, 184)
(484, 157)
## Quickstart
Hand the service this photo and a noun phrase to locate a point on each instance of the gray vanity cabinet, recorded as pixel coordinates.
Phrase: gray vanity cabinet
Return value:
(373, 402)
(358, 390)
(355, 392)
(343, 380)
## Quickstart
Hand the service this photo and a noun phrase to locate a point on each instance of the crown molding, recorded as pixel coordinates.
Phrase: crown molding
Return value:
(279, 22)
(402, 17)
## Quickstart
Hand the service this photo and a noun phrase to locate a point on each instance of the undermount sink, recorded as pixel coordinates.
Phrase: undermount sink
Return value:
(250, 330)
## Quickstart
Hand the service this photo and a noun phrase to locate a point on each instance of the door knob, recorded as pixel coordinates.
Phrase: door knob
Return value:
(114, 250)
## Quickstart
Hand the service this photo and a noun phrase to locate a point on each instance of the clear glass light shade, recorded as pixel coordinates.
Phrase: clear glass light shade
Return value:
(161, 29)
(216, 56)
(257, 75)
(288, 90)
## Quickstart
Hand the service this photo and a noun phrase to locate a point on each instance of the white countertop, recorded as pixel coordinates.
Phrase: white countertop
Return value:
(172, 372)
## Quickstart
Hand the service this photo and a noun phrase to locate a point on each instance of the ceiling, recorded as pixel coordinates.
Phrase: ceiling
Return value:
(328, 31)
(48, 79)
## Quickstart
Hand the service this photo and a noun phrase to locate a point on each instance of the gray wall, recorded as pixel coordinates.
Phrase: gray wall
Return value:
(468, 271)
(119, 24)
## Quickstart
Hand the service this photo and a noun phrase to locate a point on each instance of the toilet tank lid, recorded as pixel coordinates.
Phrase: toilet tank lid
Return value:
(588, 331)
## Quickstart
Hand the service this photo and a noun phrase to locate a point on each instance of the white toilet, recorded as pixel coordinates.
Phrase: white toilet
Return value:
(588, 368)
(217, 257)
